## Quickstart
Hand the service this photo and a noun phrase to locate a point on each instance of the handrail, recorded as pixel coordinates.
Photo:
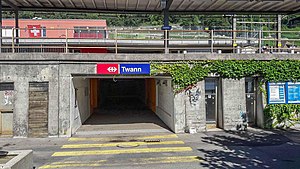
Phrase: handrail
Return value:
(119, 41)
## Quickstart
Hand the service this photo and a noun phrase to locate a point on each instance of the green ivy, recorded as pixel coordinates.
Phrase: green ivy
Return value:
(187, 73)
(281, 115)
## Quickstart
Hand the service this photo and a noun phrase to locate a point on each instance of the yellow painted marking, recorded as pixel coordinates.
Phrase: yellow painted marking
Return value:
(78, 162)
(69, 165)
(122, 151)
(165, 160)
(131, 138)
(120, 144)
(132, 161)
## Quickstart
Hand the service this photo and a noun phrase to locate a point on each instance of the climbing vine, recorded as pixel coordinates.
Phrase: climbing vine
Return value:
(187, 73)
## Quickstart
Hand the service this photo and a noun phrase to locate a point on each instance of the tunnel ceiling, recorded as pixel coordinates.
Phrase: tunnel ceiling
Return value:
(154, 6)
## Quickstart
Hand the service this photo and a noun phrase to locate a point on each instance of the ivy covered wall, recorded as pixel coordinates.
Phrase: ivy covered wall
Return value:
(187, 73)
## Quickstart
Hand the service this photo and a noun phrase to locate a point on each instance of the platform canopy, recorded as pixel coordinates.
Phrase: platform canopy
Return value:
(156, 6)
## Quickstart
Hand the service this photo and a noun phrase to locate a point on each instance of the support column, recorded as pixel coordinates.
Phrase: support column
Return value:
(166, 27)
(234, 44)
(17, 26)
(279, 32)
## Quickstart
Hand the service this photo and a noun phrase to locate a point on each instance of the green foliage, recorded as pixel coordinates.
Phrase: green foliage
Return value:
(281, 115)
(185, 74)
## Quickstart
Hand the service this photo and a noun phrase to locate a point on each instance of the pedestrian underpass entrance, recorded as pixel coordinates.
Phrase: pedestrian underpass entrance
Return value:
(111, 105)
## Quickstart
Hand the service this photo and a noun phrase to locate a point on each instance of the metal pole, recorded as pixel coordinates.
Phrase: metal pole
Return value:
(17, 26)
(166, 32)
(212, 41)
(67, 46)
(259, 41)
(116, 41)
(13, 40)
(234, 33)
(166, 41)
(279, 32)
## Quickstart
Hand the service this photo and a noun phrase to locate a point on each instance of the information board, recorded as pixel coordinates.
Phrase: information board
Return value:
(277, 93)
(293, 92)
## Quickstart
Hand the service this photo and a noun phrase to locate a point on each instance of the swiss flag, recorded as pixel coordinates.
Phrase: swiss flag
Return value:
(34, 31)
(108, 69)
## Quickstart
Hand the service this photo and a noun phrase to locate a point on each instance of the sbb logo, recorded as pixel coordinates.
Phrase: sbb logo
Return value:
(112, 69)
(108, 69)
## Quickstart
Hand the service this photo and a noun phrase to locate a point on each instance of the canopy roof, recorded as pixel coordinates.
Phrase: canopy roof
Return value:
(155, 6)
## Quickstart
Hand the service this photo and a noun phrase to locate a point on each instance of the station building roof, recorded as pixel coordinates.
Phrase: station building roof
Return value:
(155, 6)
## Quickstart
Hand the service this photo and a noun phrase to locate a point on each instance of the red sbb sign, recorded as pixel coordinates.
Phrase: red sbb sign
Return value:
(108, 69)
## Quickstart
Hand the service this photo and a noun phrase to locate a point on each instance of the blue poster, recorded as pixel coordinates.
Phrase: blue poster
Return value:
(135, 69)
(276, 93)
(293, 92)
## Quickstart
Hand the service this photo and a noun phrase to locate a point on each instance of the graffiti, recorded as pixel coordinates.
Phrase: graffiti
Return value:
(194, 95)
(8, 96)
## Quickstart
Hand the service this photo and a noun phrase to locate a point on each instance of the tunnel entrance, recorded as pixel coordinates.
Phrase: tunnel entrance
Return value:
(121, 105)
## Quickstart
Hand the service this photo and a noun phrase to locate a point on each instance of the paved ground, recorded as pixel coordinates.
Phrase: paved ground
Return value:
(215, 149)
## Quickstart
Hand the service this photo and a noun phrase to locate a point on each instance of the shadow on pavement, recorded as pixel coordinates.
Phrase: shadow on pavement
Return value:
(235, 149)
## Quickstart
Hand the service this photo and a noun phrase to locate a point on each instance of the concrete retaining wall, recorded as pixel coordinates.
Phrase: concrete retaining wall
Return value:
(165, 103)
(21, 75)
(23, 160)
(80, 102)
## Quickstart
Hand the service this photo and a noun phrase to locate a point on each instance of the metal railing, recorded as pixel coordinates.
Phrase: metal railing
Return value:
(151, 41)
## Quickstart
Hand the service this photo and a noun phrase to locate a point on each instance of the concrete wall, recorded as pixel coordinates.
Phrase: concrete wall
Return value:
(66, 86)
(190, 109)
(178, 111)
(23, 160)
(21, 75)
(260, 104)
(234, 101)
(165, 103)
(80, 102)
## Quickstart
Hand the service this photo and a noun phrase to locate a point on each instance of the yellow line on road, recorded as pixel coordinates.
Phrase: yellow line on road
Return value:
(122, 151)
(130, 161)
(120, 144)
(69, 165)
(130, 138)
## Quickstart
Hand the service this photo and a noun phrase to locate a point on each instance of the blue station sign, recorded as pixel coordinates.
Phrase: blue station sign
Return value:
(134, 69)
(284, 93)
(293, 93)
(276, 93)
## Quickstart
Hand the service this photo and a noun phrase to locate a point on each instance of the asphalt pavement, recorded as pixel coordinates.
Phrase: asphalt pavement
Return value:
(254, 148)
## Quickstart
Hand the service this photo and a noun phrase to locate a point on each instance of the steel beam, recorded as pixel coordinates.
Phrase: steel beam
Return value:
(61, 3)
(13, 6)
(72, 3)
(190, 12)
(49, 2)
(83, 4)
(94, 3)
(39, 3)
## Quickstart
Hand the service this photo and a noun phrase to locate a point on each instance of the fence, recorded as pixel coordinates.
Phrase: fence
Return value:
(151, 41)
